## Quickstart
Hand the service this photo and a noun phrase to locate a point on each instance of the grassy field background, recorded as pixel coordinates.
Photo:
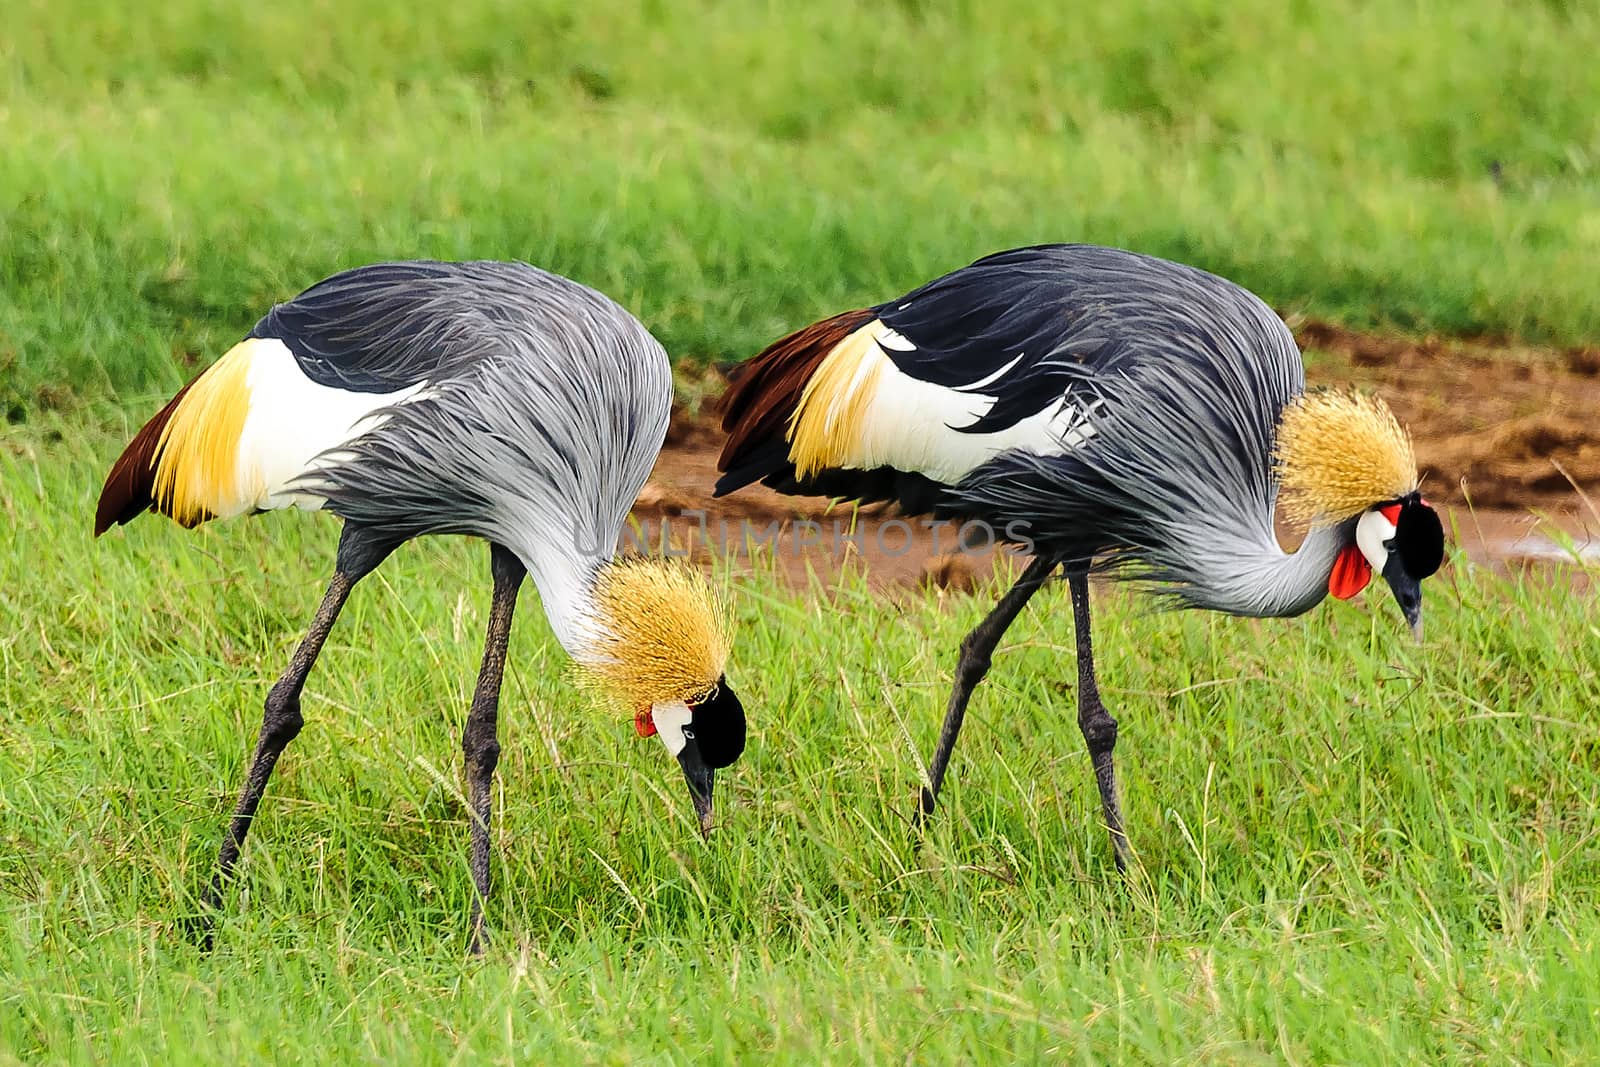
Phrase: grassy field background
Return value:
(731, 170)
(1353, 849)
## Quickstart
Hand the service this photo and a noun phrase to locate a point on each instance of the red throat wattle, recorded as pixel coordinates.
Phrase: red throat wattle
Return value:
(1351, 573)
(645, 723)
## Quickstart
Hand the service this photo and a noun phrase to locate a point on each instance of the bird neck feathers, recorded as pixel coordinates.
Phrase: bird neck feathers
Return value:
(1338, 454)
(658, 634)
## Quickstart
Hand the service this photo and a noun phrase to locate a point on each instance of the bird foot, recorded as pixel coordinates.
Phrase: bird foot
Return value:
(1121, 853)
(479, 940)
(200, 930)
(924, 809)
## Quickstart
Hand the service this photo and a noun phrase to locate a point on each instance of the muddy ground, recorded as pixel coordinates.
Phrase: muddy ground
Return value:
(1508, 439)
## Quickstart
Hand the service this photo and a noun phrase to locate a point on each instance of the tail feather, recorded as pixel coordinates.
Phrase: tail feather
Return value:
(756, 463)
(130, 487)
(764, 394)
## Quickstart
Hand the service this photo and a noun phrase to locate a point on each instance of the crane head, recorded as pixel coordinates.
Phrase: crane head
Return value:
(1403, 540)
(703, 735)
(658, 645)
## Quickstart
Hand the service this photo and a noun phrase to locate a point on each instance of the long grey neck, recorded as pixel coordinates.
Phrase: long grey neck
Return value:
(1282, 583)
(1302, 576)
(563, 565)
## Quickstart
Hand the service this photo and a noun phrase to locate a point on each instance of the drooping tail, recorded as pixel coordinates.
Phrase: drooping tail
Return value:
(183, 462)
(130, 487)
(764, 394)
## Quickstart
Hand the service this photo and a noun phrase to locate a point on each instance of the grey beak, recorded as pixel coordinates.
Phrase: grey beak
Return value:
(1407, 593)
(701, 779)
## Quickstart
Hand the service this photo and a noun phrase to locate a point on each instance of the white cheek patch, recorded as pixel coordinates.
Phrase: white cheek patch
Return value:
(1372, 530)
(670, 720)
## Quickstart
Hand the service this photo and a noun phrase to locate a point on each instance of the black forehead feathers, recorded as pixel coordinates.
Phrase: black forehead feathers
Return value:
(718, 726)
(1419, 537)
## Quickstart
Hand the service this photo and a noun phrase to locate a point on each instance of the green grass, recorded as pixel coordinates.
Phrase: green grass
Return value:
(1353, 849)
(732, 170)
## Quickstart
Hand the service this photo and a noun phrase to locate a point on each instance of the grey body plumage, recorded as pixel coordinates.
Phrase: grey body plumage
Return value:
(543, 408)
(1181, 377)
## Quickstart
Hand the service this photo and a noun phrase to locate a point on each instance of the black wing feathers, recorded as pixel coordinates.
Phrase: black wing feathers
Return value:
(1028, 324)
(1025, 325)
(994, 329)
(378, 329)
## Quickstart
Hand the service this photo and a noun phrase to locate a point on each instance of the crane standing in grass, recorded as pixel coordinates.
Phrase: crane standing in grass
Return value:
(1115, 410)
(488, 399)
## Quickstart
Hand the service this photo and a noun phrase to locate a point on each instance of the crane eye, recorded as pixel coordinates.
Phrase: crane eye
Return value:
(688, 734)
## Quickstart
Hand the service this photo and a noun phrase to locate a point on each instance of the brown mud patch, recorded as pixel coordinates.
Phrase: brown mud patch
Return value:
(1507, 436)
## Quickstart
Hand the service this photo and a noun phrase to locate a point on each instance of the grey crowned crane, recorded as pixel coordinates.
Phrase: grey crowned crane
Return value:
(494, 400)
(1112, 410)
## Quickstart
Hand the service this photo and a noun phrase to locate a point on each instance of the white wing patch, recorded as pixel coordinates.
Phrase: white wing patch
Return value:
(908, 424)
(292, 420)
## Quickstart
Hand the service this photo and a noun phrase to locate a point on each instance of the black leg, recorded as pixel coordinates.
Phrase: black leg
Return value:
(359, 553)
(1099, 728)
(478, 740)
(976, 649)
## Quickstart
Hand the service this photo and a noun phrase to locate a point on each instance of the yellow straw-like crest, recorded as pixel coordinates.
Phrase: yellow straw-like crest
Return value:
(662, 633)
(1338, 454)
